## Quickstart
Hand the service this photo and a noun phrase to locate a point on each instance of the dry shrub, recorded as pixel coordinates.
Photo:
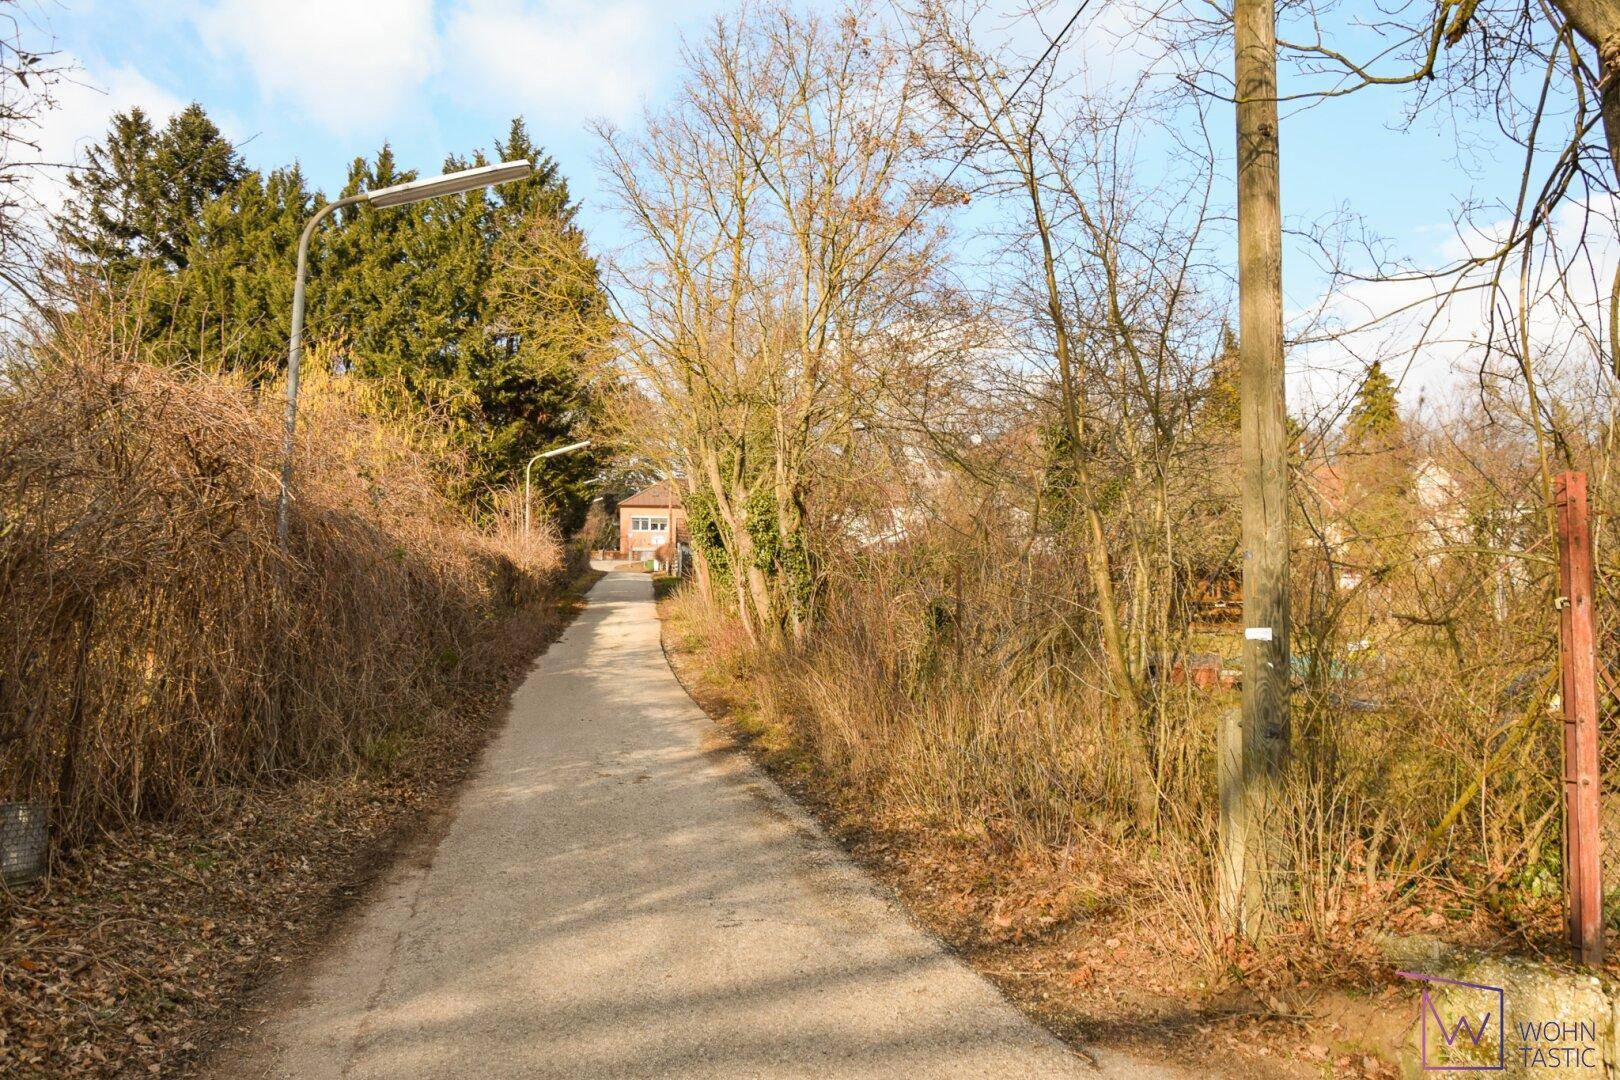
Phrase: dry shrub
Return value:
(961, 712)
(156, 645)
(955, 683)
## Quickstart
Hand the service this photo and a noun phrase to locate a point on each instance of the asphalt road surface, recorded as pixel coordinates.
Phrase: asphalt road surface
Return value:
(617, 895)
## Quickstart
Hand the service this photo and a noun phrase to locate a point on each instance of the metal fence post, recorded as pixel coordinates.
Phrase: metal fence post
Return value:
(1583, 880)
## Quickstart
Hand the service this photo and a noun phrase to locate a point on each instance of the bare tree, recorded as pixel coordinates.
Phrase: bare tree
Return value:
(1118, 306)
(28, 71)
(773, 208)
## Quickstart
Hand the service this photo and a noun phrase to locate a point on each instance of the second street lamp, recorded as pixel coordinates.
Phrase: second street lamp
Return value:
(455, 183)
(527, 469)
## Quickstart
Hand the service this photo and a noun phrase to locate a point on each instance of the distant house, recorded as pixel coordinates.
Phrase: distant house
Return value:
(644, 521)
(1440, 517)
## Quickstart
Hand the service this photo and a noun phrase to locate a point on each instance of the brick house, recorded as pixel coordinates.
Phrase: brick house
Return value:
(644, 521)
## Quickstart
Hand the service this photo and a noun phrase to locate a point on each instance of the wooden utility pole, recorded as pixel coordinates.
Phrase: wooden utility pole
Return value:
(1583, 858)
(1254, 744)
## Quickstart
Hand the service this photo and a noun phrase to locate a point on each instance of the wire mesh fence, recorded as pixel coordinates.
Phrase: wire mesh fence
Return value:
(23, 840)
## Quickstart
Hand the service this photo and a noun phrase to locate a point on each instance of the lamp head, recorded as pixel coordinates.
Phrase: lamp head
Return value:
(450, 183)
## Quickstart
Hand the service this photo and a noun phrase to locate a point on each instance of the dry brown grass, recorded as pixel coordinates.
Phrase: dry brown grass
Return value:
(156, 647)
(1074, 927)
(968, 704)
(991, 737)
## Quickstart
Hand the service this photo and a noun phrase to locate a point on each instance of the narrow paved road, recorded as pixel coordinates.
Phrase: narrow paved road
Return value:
(615, 898)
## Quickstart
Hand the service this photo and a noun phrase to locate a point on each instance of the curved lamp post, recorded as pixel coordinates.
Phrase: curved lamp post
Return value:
(527, 469)
(455, 183)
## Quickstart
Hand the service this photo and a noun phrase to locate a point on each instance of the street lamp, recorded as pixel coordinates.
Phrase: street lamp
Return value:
(527, 469)
(455, 183)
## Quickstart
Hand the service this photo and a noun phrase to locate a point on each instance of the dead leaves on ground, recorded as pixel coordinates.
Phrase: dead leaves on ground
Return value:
(139, 952)
(124, 962)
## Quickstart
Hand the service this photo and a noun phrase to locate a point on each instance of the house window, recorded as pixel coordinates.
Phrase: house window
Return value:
(649, 524)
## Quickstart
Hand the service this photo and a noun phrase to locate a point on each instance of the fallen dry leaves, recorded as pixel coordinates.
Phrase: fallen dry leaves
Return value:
(1080, 940)
(138, 952)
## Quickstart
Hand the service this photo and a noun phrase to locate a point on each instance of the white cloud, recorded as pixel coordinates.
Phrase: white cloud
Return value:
(1433, 341)
(348, 64)
(562, 59)
(85, 103)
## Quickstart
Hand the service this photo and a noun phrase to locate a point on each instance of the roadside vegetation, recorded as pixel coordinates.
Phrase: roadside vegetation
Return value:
(929, 314)
(160, 645)
(229, 735)
(966, 524)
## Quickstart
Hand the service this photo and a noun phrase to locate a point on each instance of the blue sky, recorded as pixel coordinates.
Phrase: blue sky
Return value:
(320, 81)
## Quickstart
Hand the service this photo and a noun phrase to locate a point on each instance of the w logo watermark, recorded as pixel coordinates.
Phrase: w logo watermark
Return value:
(1464, 1031)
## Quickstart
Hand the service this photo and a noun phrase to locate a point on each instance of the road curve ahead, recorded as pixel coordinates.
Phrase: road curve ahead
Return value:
(615, 898)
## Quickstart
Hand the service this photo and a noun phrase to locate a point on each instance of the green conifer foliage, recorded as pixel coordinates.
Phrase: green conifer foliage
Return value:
(473, 310)
(1377, 472)
(1220, 410)
(141, 191)
(231, 305)
(1375, 419)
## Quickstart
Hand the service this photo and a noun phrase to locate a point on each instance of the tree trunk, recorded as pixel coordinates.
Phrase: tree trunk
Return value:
(1598, 24)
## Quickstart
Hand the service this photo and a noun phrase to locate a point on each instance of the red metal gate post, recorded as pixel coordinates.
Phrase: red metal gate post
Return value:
(1583, 878)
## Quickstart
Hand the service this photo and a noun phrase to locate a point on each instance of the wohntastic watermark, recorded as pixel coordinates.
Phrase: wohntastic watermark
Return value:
(1463, 1027)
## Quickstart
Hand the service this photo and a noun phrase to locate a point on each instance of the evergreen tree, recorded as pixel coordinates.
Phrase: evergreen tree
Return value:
(1375, 419)
(1220, 410)
(233, 301)
(1377, 471)
(141, 191)
(379, 275)
(546, 315)
(440, 304)
(474, 310)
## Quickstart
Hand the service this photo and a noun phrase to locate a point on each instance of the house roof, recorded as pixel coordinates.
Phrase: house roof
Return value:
(659, 495)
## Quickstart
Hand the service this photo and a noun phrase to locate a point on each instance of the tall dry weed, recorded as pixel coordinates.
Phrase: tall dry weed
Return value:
(156, 646)
(960, 687)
